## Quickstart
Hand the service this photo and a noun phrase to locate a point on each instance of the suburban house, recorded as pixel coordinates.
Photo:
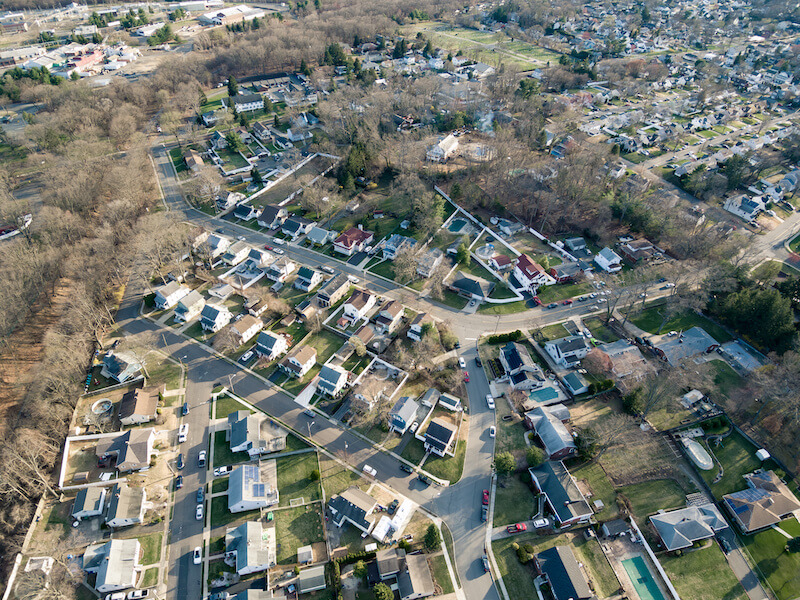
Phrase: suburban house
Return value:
(355, 507)
(307, 279)
(388, 317)
(447, 401)
(194, 162)
(272, 216)
(319, 236)
(215, 245)
(568, 351)
(561, 493)
(577, 246)
(299, 361)
(566, 272)
(125, 506)
(682, 528)
(352, 240)
(246, 212)
(520, 368)
(500, 262)
(221, 291)
(257, 307)
(116, 564)
(608, 260)
(637, 251)
(139, 406)
(251, 547)
(428, 262)
(271, 345)
(245, 328)
(440, 436)
(280, 270)
(557, 441)
(311, 579)
(766, 502)
(89, 503)
(358, 305)
(470, 287)
(331, 380)
(403, 414)
(397, 243)
(214, 317)
(294, 227)
(251, 487)
(189, 306)
(415, 329)
(530, 274)
(253, 434)
(744, 207)
(443, 149)
(247, 103)
(333, 290)
(575, 383)
(558, 566)
(235, 253)
(685, 345)
(624, 361)
(128, 451)
(168, 295)
(414, 580)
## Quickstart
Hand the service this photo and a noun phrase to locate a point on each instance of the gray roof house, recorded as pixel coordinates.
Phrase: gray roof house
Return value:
(189, 306)
(272, 216)
(252, 547)
(415, 580)
(131, 450)
(115, 562)
(567, 351)
(402, 414)
(89, 502)
(355, 507)
(682, 528)
(294, 227)
(471, 287)
(312, 579)
(685, 345)
(307, 279)
(439, 436)
(319, 236)
(120, 366)
(271, 345)
(555, 438)
(253, 486)
(395, 243)
(561, 492)
(522, 371)
(214, 317)
(253, 434)
(428, 262)
(168, 295)
(332, 380)
(563, 573)
(125, 506)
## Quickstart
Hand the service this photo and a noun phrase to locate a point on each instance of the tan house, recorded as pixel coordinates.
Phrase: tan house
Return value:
(766, 502)
(139, 405)
(299, 361)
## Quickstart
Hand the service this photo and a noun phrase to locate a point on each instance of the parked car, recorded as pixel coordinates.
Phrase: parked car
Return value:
(541, 523)
(567, 302)
(179, 463)
(201, 459)
(183, 433)
(405, 468)
(582, 299)
(490, 401)
(179, 482)
(352, 279)
(462, 363)
(309, 413)
(478, 362)
(198, 512)
(536, 301)
(185, 409)
(246, 356)
(552, 305)
(279, 251)
(484, 513)
(197, 556)
(220, 471)
(485, 499)
(466, 377)
(517, 528)
(117, 596)
(137, 594)
(201, 495)
(485, 563)
(392, 507)
(241, 238)
(424, 479)
(327, 269)
(278, 241)
(414, 427)
(492, 431)
(219, 596)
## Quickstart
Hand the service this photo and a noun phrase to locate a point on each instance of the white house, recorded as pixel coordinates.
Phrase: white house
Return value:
(281, 269)
(116, 563)
(216, 245)
(358, 305)
(245, 328)
(271, 345)
(299, 361)
(252, 547)
(214, 317)
(569, 350)
(531, 274)
(247, 103)
(307, 279)
(608, 260)
(168, 295)
(251, 487)
(352, 240)
(389, 316)
(744, 207)
(332, 380)
(443, 149)
(189, 306)
(415, 329)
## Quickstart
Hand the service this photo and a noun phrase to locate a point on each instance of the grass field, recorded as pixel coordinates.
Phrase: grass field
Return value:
(650, 496)
(225, 405)
(737, 457)
(441, 574)
(220, 515)
(453, 300)
(448, 467)
(222, 452)
(650, 320)
(151, 548)
(150, 577)
(556, 293)
(703, 575)
(513, 502)
(296, 527)
(781, 569)
(725, 378)
(602, 488)
(295, 477)
(325, 343)
(336, 478)
(503, 309)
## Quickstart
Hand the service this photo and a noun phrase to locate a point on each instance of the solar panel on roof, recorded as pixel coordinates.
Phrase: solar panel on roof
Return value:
(250, 473)
(259, 490)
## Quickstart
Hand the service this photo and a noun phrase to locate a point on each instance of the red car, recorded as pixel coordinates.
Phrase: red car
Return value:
(536, 301)
(267, 247)
(466, 377)
(567, 302)
(517, 528)
(486, 496)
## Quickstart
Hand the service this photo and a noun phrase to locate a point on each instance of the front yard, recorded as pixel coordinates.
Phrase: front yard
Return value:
(298, 477)
(222, 452)
(703, 574)
(650, 320)
(514, 500)
(781, 569)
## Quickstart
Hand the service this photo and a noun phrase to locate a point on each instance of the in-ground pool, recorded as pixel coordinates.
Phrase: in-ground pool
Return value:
(456, 225)
(642, 579)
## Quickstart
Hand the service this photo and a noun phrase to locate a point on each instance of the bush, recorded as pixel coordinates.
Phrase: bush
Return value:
(383, 592)
(360, 569)
(504, 338)
(433, 539)
(504, 463)
(632, 403)
(535, 456)
(314, 475)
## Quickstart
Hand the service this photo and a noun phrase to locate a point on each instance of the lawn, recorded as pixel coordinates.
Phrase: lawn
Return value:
(650, 320)
(513, 502)
(452, 300)
(781, 569)
(449, 467)
(600, 331)
(325, 343)
(220, 515)
(441, 574)
(233, 160)
(296, 527)
(150, 578)
(551, 332)
(737, 457)
(725, 378)
(151, 548)
(225, 405)
(295, 477)
(293, 385)
(649, 497)
(556, 293)
(164, 371)
(414, 451)
(503, 309)
(501, 291)
(222, 452)
(703, 575)
(592, 474)
(219, 485)
(337, 478)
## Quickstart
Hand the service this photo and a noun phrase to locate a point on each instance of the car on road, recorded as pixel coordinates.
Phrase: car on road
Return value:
(185, 409)
(517, 528)
(220, 471)
(485, 499)
(424, 479)
(183, 433)
(309, 413)
(219, 596)
(567, 302)
(593, 295)
(462, 363)
(405, 468)
(241, 238)
(201, 495)
(484, 513)
(201, 459)
(552, 305)
(179, 482)
(490, 401)
(662, 280)
(179, 463)
(536, 301)
(278, 251)
(352, 279)
(197, 555)
(667, 286)
(327, 269)
(392, 507)
(492, 431)
(278, 241)
(582, 299)
(643, 295)
(485, 563)
(466, 377)
(541, 523)
(246, 356)
(198, 512)
(137, 594)
(478, 362)
(268, 247)
(117, 596)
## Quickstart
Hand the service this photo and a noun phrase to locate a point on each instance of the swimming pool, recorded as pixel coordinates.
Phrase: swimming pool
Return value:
(642, 579)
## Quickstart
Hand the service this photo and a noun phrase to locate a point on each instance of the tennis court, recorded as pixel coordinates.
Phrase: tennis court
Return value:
(642, 579)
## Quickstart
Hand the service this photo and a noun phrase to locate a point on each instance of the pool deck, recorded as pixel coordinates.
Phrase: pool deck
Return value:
(622, 548)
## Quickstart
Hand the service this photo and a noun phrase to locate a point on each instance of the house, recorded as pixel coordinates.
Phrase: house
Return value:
(568, 351)
(215, 245)
(280, 270)
(352, 240)
(252, 547)
(403, 414)
(575, 383)
(305, 309)
(189, 306)
(299, 361)
(415, 330)
(319, 236)
(608, 260)
(256, 307)
(428, 262)
(686, 344)
(358, 305)
(294, 227)
(397, 243)
(247, 103)
(245, 328)
(251, 487)
(440, 436)
(271, 345)
(576, 244)
(389, 562)
(624, 361)
(682, 528)
(637, 251)
(305, 555)
(168, 295)
(194, 162)
(611, 529)
(218, 141)
(557, 441)
(523, 373)
(214, 317)
(125, 506)
(354, 507)
(272, 216)
(443, 149)
(131, 450)
(236, 253)
(139, 406)
(115, 563)
(246, 212)
(89, 503)
(766, 502)
(745, 207)
(312, 579)
(307, 279)
(501, 262)
(562, 495)
(530, 274)
(447, 401)
(415, 580)
(221, 291)
(563, 573)
(470, 287)
(332, 380)
(333, 290)
(566, 272)
(389, 316)
(253, 434)
(120, 366)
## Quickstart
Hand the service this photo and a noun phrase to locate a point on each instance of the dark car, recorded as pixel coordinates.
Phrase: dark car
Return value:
(405, 468)
(219, 230)
(552, 305)
(201, 495)
(392, 507)
(179, 463)
(478, 362)
(179, 482)
(424, 479)
(484, 512)
(219, 596)
(458, 344)
(185, 409)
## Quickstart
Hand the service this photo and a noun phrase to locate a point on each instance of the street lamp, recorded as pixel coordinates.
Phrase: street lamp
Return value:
(309, 428)
(230, 381)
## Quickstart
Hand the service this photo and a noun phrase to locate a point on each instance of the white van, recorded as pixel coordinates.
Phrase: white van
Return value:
(183, 432)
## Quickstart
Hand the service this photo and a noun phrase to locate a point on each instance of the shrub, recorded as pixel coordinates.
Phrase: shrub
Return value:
(504, 463)
(433, 539)
(314, 475)
(535, 456)
(503, 338)
(383, 592)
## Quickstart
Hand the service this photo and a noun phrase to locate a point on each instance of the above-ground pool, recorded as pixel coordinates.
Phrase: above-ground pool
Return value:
(698, 454)
(485, 252)
(642, 579)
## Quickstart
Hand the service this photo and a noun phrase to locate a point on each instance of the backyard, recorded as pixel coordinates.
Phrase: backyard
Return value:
(298, 477)
(336, 478)
(703, 574)
(649, 497)
(650, 320)
(737, 457)
(296, 527)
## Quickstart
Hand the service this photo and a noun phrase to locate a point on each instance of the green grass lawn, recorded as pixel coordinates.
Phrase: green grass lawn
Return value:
(703, 575)
(794, 245)
(151, 548)
(503, 309)
(513, 502)
(414, 451)
(150, 578)
(294, 477)
(222, 452)
(163, 370)
(501, 291)
(781, 569)
(725, 378)
(336, 478)
(220, 515)
(602, 488)
(296, 527)
(737, 457)
(650, 320)
(475, 269)
(232, 160)
(650, 496)
(216, 545)
(600, 330)
(448, 467)
(325, 343)
(219, 485)
(551, 332)
(556, 293)
(225, 405)
(441, 574)
(453, 300)
(293, 385)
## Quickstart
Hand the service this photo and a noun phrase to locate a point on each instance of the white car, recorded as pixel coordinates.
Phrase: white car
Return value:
(183, 433)
(220, 471)
(462, 363)
(278, 241)
(352, 279)
(492, 431)
(414, 427)
(197, 556)
(246, 356)
(198, 513)
(593, 295)
(241, 238)
(490, 401)
(117, 596)
(137, 594)
(278, 251)
(327, 269)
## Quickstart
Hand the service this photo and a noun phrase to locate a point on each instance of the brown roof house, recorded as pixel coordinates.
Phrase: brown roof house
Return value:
(139, 405)
(355, 507)
(299, 361)
(765, 502)
(131, 450)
